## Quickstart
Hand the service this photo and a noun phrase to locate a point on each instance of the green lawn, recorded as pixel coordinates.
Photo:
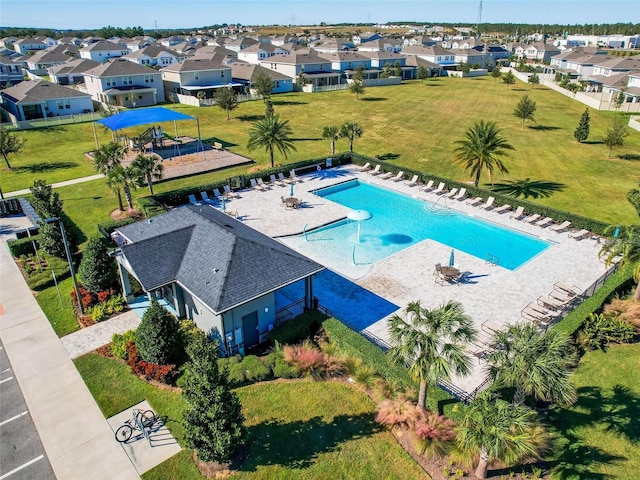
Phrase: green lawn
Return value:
(599, 436)
(61, 315)
(298, 429)
(413, 125)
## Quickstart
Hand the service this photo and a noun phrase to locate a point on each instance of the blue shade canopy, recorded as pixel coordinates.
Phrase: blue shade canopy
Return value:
(142, 116)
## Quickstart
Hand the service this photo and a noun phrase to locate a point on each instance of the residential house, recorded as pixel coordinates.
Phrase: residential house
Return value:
(347, 61)
(135, 44)
(316, 70)
(101, 51)
(214, 270)
(419, 40)
(33, 99)
(155, 55)
(240, 43)
(330, 45)
(10, 72)
(48, 41)
(195, 75)
(434, 54)
(537, 52)
(7, 42)
(365, 37)
(26, 45)
(413, 62)
(280, 40)
(607, 66)
(39, 62)
(260, 51)
(70, 41)
(120, 82)
(171, 41)
(381, 44)
(247, 73)
(71, 72)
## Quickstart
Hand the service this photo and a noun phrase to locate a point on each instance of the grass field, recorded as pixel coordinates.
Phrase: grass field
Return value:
(412, 125)
(599, 436)
(299, 429)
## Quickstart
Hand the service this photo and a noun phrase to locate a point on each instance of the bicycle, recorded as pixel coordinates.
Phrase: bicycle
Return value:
(140, 419)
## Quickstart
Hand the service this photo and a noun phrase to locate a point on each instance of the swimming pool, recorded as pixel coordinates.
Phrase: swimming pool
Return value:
(399, 221)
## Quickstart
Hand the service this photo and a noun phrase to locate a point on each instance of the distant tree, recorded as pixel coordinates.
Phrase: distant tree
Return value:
(358, 74)
(213, 417)
(201, 95)
(226, 99)
(525, 109)
(582, 132)
(9, 143)
(482, 149)
(301, 80)
(158, 336)
(147, 168)
(509, 78)
(618, 101)
(271, 134)
(397, 69)
(263, 86)
(534, 80)
(351, 130)
(615, 136)
(47, 204)
(495, 73)
(357, 87)
(97, 269)
(331, 132)
(123, 178)
(422, 73)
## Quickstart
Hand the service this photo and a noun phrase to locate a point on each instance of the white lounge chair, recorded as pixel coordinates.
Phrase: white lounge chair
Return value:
(503, 208)
(544, 222)
(193, 201)
(412, 182)
(294, 178)
(475, 201)
(562, 227)
(451, 193)
(263, 185)
(428, 186)
(569, 290)
(531, 218)
(256, 186)
(399, 176)
(230, 193)
(488, 204)
(518, 214)
(386, 175)
(461, 194)
(364, 167)
(551, 302)
(580, 234)
(283, 179)
(205, 198)
(276, 181)
(440, 190)
(375, 171)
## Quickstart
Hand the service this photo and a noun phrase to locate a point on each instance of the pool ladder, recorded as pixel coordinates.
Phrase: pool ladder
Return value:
(436, 209)
(493, 260)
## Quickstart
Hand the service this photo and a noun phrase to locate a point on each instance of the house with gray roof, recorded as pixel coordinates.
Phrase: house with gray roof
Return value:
(103, 50)
(34, 99)
(316, 70)
(155, 55)
(260, 51)
(197, 74)
(10, 72)
(247, 74)
(26, 45)
(71, 72)
(214, 270)
(39, 62)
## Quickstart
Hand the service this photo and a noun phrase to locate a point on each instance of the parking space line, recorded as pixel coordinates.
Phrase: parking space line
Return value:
(5, 370)
(6, 379)
(13, 418)
(24, 465)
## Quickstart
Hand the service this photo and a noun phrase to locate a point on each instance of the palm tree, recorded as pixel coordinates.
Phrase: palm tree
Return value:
(108, 156)
(534, 363)
(147, 167)
(271, 134)
(497, 430)
(482, 149)
(114, 182)
(351, 130)
(431, 343)
(331, 132)
(627, 245)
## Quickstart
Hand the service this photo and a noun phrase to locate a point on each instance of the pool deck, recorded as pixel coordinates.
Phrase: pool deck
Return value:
(490, 293)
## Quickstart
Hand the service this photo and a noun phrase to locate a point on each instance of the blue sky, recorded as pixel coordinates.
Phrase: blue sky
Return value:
(62, 14)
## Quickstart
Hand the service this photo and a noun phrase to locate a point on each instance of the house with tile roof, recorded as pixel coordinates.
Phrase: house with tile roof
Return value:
(103, 50)
(71, 72)
(34, 99)
(124, 83)
(247, 73)
(197, 74)
(213, 269)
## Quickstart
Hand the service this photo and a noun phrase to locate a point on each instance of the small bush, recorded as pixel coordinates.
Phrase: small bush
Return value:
(119, 343)
(150, 371)
(310, 361)
(282, 369)
(364, 375)
(600, 330)
(255, 370)
(236, 374)
(436, 434)
(158, 336)
(400, 413)
(98, 312)
(114, 304)
(295, 330)
(270, 360)
(24, 246)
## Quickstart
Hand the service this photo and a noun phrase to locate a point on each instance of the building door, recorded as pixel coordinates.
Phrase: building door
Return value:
(250, 329)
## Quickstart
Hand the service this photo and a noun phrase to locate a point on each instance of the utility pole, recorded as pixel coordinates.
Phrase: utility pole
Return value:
(68, 252)
(479, 20)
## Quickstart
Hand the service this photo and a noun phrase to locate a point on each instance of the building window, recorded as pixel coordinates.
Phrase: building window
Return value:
(222, 74)
(111, 82)
(196, 75)
(127, 80)
(148, 79)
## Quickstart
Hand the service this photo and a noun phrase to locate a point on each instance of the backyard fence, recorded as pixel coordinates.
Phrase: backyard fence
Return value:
(591, 289)
(290, 311)
(51, 121)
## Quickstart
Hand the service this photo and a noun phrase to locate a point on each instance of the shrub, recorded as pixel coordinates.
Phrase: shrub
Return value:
(149, 370)
(600, 330)
(255, 370)
(310, 361)
(236, 373)
(106, 229)
(626, 310)
(270, 360)
(297, 329)
(115, 304)
(98, 312)
(158, 336)
(119, 343)
(24, 246)
(364, 375)
(97, 269)
(282, 369)
(400, 413)
(436, 434)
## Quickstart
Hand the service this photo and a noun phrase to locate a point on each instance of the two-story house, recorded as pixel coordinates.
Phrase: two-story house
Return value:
(39, 62)
(347, 61)
(155, 55)
(381, 44)
(247, 74)
(26, 45)
(120, 82)
(10, 72)
(195, 75)
(101, 51)
(365, 37)
(315, 70)
(71, 72)
(260, 51)
(331, 45)
(240, 43)
(446, 59)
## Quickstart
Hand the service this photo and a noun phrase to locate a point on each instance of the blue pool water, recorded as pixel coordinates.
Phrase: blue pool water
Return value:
(399, 221)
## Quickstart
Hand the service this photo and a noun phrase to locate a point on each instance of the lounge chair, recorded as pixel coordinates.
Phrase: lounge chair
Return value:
(488, 204)
(256, 186)
(503, 208)
(217, 194)
(375, 171)
(205, 198)
(580, 234)
(491, 327)
(262, 184)
(537, 314)
(569, 290)
(562, 227)
(428, 186)
(475, 201)
(193, 201)
(544, 222)
(230, 193)
(461, 194)
(386, 175)
(531, 218)
(283, 179)
(518, 214)
(551, 302)
(412, 182)
(364, 167)
(293, 177)
(441, 189)
(276, 181)
(399, 176)
(451, 193)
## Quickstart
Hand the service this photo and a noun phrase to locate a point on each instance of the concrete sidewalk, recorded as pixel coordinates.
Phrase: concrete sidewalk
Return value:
(74, 433)
(26, 191)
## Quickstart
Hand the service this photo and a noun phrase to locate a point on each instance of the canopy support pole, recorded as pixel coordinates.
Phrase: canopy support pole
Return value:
(95, 135)
(175, 127)
(199, 146)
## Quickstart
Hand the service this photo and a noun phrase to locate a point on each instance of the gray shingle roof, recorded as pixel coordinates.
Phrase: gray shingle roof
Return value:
(36, 91)
(195, 64)
(250, 72)
(120, 66)
(220, 260)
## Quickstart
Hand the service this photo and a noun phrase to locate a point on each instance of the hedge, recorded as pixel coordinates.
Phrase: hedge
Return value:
(150, 206)
(297, 329)
(107, 228)
(23, 246)
(577, 221)
(352, 343)
(615, 283)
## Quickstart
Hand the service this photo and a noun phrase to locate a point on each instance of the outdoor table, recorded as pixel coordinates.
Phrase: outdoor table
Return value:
(291, 202)
(450, 272)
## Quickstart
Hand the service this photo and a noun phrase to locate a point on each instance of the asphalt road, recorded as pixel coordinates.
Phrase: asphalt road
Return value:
(22, 456)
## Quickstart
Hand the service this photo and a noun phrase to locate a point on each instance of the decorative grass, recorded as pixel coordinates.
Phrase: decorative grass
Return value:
(599, 436)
